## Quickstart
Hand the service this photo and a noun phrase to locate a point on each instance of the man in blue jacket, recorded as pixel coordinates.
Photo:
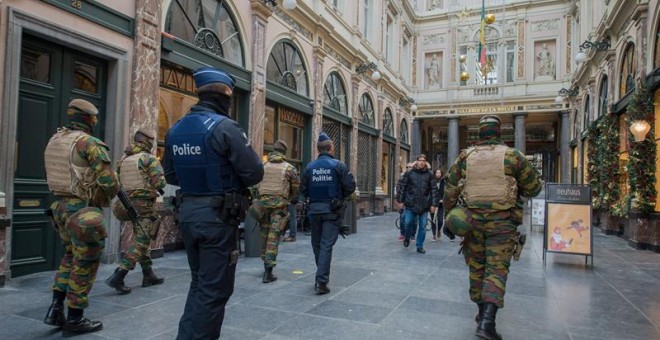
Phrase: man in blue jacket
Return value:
(208, 155)
(326, 182)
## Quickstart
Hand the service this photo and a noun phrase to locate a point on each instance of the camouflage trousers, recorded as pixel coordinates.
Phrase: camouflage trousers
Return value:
(139, 252)
(272, 227)
(488, 250)
(76, 273)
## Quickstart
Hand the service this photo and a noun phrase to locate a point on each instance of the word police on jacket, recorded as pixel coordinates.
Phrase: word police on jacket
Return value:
(186, 149)
(321, 175)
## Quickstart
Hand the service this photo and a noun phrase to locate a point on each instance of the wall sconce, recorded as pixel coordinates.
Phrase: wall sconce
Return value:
(563, 93)
(289, 4)
(581, 57)
(639, 129)
(405, 101)
(363, 68)
(270, 3)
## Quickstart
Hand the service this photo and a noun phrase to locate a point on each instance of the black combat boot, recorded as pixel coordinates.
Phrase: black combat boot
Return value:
(55, 315)
(480, 312)
(268, 275)
(149, 278)
(486, 327)
(116, 281)
(80, 326)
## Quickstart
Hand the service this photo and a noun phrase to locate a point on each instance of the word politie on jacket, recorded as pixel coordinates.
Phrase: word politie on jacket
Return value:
(321, 175)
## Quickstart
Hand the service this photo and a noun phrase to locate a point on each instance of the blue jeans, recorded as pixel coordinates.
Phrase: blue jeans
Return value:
(410, 219)
(293, 222)
(325, 231)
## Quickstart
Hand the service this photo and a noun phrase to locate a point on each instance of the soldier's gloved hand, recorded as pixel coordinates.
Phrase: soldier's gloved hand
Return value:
(344, 231)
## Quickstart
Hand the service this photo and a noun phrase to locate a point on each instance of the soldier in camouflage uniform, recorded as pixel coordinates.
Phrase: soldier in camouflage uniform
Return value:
(280, 186)
(142, 177)
(80, 175)
(491, 178)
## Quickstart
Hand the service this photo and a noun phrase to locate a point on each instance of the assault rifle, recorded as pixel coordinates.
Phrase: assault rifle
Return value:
(130, 209)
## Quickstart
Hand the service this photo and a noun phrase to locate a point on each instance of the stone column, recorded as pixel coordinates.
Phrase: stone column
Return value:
(564, 148)
(319, 58)
(416, 137)
(452, 140)
(355, 86)
(145, 91)
(5, 222)
(520, 131)
(260, 15)
(378, 116)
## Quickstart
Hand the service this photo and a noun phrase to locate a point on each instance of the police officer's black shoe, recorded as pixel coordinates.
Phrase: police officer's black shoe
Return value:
(477, 318)
(421, 250)
(116, 281)
(80, 326)
(321, 288)
(268, 275)
(406, 242)
(55, 315)
(149, 278)
(486, 326)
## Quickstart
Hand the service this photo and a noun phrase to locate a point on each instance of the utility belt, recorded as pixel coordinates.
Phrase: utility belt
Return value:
(336, 204)
(232, 206)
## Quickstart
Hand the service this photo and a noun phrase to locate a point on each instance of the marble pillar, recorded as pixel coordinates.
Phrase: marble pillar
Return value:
(452, 140)
(564, 148)
(520, 131)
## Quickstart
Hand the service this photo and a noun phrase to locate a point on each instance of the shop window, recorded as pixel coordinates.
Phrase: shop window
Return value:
(284, 124)
(341, 137)
(656, 63)
(628, 69)
(366, 166)
(176, 96)
(366, 110)
(602, 98)
(334, 94)
(207, 24)
(285, 68)
(404, 132)
(388, 123)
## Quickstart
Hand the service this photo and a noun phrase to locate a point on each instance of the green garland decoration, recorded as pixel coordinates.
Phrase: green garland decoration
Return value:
(603, 164)
(641, 166)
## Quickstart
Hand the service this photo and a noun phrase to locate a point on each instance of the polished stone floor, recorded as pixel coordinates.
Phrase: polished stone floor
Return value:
(380, 290)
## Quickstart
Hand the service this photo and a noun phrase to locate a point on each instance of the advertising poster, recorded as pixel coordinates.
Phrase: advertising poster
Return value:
(569, 228)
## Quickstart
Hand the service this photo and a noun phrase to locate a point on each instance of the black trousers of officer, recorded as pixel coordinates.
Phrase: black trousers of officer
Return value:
(325, 231)
(209, 247)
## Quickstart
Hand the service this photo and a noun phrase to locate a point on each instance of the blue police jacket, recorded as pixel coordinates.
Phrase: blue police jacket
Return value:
(199, 169)
(324, 179)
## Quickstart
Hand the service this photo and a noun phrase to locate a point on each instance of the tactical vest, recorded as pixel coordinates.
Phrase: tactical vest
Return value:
(131, 176)
(275, 182)
(201, 171)
(486, 181)
(324, 182)
(66, 172)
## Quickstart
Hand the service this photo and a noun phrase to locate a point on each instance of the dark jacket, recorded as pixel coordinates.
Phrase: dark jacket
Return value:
(439, 185)
(416, 190)
(345, 179)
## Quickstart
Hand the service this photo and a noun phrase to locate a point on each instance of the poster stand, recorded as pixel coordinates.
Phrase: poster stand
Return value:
(568, 221)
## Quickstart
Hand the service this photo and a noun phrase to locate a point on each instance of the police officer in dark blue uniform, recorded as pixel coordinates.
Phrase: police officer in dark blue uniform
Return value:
(326, 182)
(208, 155)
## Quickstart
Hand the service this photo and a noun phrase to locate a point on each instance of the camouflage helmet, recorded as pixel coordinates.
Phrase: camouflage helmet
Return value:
(459, 221)
(87, 225)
